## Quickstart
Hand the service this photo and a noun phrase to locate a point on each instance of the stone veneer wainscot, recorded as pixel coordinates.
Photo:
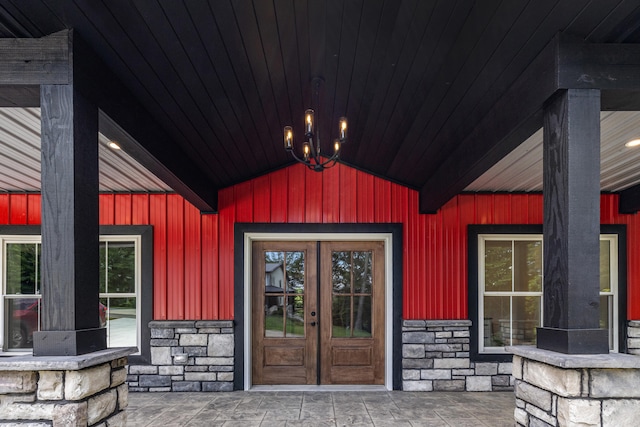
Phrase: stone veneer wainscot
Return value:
(633, 337)
(79, 391)
(187, 355)
(435, 357)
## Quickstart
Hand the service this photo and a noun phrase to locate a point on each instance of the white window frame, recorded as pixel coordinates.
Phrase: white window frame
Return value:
(36, 238)
(4, 296)
(614, 314)
(613, 268)
(137, 240)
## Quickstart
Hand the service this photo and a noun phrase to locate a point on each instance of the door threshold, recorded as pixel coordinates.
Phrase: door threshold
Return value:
(302, 387)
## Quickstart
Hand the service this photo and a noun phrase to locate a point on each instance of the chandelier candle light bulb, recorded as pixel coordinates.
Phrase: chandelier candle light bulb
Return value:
(288, 138)
(343, 129)
(306, 150)
(308, 123)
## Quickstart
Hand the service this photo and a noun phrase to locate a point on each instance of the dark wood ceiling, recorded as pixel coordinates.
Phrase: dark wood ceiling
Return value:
(413, 77)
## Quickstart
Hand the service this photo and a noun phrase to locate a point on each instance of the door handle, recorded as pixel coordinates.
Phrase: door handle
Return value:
(313, 323)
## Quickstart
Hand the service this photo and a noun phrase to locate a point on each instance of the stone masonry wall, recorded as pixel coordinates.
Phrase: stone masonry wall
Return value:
(435, 357)
(94, 396)
(187, 356)
(633, 337)
(587, 396)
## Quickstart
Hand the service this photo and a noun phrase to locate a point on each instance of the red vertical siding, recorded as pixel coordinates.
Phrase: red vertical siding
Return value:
(365, 205)
(18, 209)
(313, 195)
(331, 197)
(633, 266)
(192, 262)
(123, 205)
(535, 210)
(227, 214)
(348, 203)
(158, 218)
(278, 192)
(296, 208)
(210, 296)
(382, 200)
(107, 211)
(34, 209)
(175, 257)
(193, 253)
(140, 209)
(261, 193)
(4, 209)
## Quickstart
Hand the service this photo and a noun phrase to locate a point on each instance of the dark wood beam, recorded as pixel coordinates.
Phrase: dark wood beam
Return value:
(565, 63)
(598, 66)
(35, 61)
(630, 200)
(572, 225)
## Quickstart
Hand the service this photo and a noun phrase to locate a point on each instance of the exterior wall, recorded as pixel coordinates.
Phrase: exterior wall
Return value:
(435, 357)
(194, 265)
(193, 253)
(187, 356)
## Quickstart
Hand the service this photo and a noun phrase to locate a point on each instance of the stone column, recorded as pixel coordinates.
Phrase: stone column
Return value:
(554, 389)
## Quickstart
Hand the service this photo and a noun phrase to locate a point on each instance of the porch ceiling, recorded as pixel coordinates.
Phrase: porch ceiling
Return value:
(521, 170)
(414, 78)
(20, 158)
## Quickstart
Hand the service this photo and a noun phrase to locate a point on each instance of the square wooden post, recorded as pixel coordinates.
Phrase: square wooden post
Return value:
(70, 231)
(572, 224)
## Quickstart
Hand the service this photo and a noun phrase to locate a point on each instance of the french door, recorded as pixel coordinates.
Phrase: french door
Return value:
(318, 313)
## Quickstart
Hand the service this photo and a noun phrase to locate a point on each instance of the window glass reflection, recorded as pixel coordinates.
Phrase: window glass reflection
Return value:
(352, 294)
(284, 294)
(497, 265)
(23, 319)
(23, 268)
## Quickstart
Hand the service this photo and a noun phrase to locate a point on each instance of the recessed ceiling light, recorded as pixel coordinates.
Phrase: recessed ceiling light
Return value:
(114, 145)
(632, 143)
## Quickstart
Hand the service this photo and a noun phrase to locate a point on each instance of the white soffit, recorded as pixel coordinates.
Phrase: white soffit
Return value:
(20, 158)
(521, 170)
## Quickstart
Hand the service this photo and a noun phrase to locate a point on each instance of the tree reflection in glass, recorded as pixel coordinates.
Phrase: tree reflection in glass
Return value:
(284, 294)
(352, 280)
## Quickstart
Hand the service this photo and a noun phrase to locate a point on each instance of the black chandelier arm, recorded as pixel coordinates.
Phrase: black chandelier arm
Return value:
(317, 165)
(333, 159)
(293, 153)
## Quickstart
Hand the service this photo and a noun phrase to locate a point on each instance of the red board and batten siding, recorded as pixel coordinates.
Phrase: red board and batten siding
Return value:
(193, 253)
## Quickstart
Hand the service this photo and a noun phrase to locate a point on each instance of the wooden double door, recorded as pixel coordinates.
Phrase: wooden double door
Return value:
(318, 312)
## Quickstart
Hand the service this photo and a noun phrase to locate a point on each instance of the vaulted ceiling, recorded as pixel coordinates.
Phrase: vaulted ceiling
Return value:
(414, 77)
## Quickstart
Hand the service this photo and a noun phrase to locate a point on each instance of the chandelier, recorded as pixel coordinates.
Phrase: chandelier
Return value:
(311, 156)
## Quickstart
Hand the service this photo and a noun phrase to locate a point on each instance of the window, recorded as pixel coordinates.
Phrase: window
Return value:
(510, 272)
(21, 290)
(119, 285)
(125, 286)
(506, 286)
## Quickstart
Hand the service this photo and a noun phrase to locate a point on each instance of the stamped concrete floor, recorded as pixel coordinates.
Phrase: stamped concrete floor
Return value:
(371, 408)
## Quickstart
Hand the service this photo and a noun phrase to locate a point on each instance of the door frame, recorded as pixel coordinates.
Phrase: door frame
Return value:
(245, 234)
